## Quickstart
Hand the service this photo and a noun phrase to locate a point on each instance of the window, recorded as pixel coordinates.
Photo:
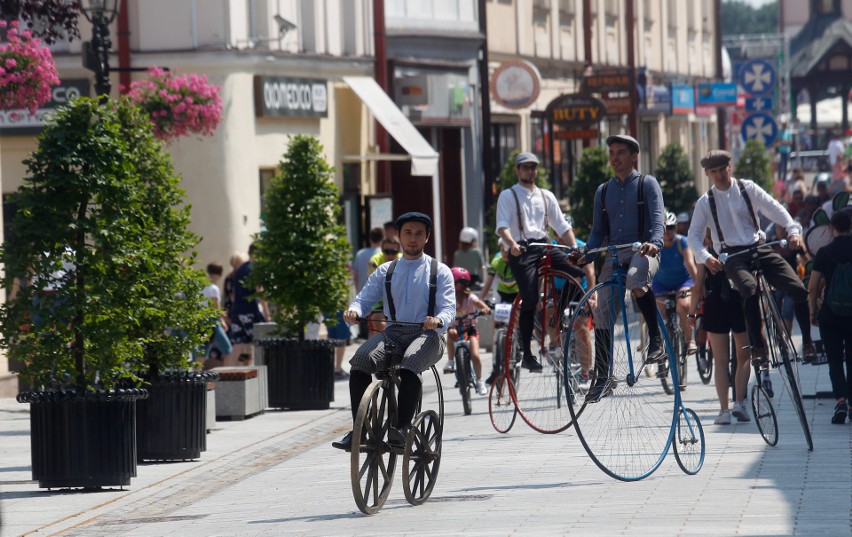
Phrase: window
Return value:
(504, 140)
(265, 175)
(826, 7)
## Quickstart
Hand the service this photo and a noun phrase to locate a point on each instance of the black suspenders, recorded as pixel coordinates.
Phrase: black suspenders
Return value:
(712, 200)
(640, 198)
(520, 216)
(433, 288)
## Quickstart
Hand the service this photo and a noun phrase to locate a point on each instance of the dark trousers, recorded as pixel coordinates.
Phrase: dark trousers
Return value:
(780, 275)
(837, 341)
(525, 270)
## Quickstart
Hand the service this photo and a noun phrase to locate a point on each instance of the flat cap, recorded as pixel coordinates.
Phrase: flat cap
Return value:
(523, 158)
(414, 217)
(629, 141)
(715, 159)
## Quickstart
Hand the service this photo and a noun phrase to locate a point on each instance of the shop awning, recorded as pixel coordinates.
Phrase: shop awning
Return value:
(424, 159)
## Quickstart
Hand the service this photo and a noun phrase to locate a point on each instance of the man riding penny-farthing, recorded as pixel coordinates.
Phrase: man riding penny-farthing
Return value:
(419, 302)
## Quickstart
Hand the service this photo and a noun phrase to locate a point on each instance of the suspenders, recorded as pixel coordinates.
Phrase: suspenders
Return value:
(520, 216)
(433, 288)
(640, 198)
(712, 200)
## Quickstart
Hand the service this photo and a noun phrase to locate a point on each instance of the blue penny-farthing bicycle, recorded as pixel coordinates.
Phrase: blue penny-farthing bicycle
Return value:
(626, 421)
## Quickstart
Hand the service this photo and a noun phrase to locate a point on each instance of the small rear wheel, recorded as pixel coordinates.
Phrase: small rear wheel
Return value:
(463, 377)
(372, 461)
(501, 408)
(688, 442)
(703, 359)
(422, 457)
(764, 415)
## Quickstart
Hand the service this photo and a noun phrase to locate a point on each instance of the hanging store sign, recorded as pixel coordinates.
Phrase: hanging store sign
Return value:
(20, 122)
(611, 80)
(683, 99)
(717, 93)
(279, 96)
(575, 116)
(515, 84)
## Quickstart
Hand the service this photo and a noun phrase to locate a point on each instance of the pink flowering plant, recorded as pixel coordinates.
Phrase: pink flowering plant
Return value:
(178, 105)
(27, 70)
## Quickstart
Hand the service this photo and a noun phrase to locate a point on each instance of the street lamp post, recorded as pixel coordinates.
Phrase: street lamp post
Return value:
(96, 52)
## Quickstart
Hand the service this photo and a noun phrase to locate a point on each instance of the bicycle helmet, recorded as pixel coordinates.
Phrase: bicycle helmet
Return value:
(460, 275)
(468, 234)
(671, 219)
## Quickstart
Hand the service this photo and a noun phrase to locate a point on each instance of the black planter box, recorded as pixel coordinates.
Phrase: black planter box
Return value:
(301, 374)
(83, 441)
(171, 422)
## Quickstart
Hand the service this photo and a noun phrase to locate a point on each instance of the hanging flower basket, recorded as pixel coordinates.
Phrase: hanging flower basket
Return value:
(27, 70)
(178, 105)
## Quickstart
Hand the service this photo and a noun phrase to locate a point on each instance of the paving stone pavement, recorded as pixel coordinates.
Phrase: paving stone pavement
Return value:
(276, 474)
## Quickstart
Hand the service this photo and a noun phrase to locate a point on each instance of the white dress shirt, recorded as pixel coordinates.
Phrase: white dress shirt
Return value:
(737, 225)
(532, 202)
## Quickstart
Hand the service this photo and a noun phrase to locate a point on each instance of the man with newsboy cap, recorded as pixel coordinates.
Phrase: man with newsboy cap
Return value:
(731, 210)
(524, 212)
(620, 218)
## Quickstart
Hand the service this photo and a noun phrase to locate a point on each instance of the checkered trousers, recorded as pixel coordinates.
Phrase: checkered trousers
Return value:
(420, 349)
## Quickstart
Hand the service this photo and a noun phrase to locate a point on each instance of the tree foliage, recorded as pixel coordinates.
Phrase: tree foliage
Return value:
(100, 239)
(302, 254)
(739, 18)
(755, 164)
(676, 179)
(594, 170)
(51, 20)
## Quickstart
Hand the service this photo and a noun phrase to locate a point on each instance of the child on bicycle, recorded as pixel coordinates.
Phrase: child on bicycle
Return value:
(676, 274)
(466, 303)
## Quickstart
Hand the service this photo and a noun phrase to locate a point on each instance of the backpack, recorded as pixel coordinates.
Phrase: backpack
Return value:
(838, 297)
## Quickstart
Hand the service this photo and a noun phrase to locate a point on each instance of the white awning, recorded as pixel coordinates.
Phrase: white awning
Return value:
(424, 159)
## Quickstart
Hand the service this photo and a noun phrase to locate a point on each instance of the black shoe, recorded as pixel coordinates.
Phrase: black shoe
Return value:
(344, 443)
(397, 437)
(655, 350)
(839, 417)
(531, 363)
(767, 387)
(490, 379)
(600, 389)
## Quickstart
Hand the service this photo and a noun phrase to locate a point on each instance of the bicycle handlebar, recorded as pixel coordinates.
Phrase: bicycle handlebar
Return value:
(782, 243)
(550, 245)
(407, 323)
(633, 246)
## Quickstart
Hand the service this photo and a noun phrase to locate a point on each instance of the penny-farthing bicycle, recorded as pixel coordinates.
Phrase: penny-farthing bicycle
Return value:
(627, 422)
(373, 459)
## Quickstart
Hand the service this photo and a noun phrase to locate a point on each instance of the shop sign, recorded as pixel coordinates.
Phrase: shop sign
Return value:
(579, 134)
(717, 93)
(279, 96)
(655, 99)
(515, 84)
(576, 110)
(683, 99)
(617, 103)
(608, 80)
(20, 122)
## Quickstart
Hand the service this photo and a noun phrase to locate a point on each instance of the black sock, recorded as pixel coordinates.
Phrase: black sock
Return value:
(526, 320)
(358, 384)
(409, 395)
(804, 320)
(602, 344)
(751, 311)
(648, 306)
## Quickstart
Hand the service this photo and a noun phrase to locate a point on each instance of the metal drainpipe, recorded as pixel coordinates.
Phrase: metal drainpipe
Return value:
(123, 47)
(381, 75)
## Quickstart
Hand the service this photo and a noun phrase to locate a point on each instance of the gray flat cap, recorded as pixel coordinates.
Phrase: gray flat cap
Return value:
(524, 158)
(629, 141)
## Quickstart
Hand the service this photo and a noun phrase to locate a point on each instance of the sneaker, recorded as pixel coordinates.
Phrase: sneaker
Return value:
(655, 350)
(531, 363)
(480, 388)
(740, 412)
(840, 413)
(809, 353)
(691, 348)
(724, 418)
(583, 380)
(491, 377)
(344, 443)
(450, 367)
(767, 385)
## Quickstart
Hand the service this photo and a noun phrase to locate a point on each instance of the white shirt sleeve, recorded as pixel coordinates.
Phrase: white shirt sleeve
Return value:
(769, 206)
(701, 218)
(555, 218)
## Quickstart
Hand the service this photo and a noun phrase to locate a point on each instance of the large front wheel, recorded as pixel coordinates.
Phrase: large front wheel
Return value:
(625, 421)
(372, 461)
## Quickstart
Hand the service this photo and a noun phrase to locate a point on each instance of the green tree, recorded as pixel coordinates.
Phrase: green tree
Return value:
(755, 164)
(676, 180)
(101, 236)
(505, 180)
(302, 254)
(594, 170)
(739, 18)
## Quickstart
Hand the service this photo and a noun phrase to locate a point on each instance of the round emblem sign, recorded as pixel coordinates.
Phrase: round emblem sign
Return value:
(515, 84)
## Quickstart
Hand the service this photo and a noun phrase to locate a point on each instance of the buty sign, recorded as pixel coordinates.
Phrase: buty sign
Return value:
(278, 96)
(576, 110)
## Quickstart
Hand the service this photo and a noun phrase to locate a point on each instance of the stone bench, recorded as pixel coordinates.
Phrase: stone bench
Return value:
(241, 392)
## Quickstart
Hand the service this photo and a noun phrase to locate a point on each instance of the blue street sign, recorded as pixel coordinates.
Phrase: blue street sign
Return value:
(760, 126)
(758, 104)
(757, 77)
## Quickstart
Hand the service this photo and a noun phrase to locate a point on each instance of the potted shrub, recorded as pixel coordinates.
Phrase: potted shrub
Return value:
(98, 242)
(301, 267)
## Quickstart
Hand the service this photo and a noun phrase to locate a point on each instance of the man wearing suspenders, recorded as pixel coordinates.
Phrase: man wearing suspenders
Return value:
(416, 289)
(524, 213)
(729, 210)
(628, 209)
